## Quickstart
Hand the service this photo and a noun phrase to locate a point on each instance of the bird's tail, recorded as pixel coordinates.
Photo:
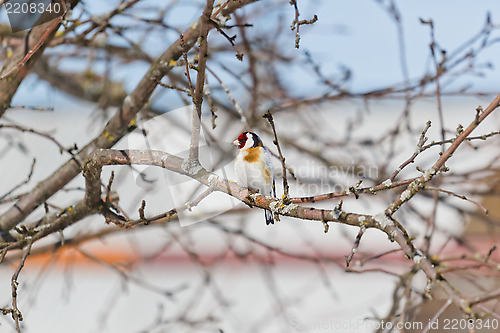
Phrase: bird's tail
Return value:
(269, 217)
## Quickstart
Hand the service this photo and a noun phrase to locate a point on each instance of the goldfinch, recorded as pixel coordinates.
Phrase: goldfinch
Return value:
(254, 168)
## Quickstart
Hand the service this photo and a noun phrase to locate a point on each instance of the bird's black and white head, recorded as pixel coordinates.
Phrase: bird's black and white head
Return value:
(247, 140)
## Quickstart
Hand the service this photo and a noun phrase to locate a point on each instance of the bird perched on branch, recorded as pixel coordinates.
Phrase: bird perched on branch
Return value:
(254, 168)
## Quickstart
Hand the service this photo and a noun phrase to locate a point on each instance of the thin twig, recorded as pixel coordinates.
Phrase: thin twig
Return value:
(478, 137)
(460, 196)
(16, 314)
(437, 315)
(239, 55)
(230, 96)
(24, 182)
(418, 150)
(439, 70)
(270, 119)
(485, 297)
(348, 192)
(45, 135)
(355, 246)
(296, 23)
(186, 62)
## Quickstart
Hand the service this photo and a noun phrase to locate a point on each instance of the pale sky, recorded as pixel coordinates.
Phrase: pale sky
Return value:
(356, 34)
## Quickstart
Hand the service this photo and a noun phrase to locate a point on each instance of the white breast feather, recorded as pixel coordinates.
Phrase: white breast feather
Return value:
(251, 175)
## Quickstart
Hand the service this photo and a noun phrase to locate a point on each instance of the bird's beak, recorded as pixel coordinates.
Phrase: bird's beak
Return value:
(236, 142)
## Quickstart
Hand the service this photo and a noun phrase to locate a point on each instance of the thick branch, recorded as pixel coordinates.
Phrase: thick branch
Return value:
(18, 66)
(200, 83)
(176, 164)
(116, 128)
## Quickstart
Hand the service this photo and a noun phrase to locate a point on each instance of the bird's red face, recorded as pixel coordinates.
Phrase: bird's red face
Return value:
(241, 141)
